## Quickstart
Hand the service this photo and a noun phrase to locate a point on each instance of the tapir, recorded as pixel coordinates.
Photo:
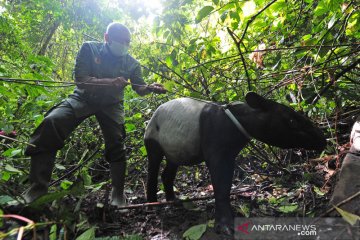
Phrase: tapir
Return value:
(188, 131)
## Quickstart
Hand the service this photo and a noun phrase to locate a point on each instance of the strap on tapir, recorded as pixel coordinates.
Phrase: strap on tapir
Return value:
(236, 122)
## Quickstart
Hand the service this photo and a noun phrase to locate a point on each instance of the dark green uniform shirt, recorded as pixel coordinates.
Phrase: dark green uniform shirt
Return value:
(95, 60)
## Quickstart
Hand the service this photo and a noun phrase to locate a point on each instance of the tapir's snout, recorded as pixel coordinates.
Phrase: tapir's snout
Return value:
(311, 139)
(315, 141)
(321, 143)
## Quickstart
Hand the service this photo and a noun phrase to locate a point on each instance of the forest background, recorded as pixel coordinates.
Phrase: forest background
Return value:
(301, 53)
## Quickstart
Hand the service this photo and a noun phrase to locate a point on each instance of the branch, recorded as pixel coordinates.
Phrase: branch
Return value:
(340, 203)
(15, 140)
(253, 18)
(337, 76)
(153, 71)
(205, 85)
(335, 23)
(276, 49)
(298, 17)
(265, 158)
(188, 85)
(74, 169)
(48, 38)
(91, 37)
(141, 205)
(232, 34)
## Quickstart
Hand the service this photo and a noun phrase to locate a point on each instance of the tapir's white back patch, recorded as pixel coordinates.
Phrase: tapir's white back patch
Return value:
(175, 125)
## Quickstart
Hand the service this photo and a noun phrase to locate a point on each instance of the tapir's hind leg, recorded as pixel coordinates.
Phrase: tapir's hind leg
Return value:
(155, 155)
(168, 177)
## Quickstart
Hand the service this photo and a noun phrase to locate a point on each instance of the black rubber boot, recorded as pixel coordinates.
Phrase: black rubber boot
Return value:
(349, 183)
(40, 175)
(349, 179)
(117, 173)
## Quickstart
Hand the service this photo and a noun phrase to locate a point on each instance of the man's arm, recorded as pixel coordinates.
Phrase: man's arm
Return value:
(83, 73)
(141, 88)
(91, 82)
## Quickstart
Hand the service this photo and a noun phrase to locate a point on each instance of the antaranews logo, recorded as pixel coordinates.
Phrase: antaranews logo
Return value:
(244, 228)
(304, 230)
(292, 228)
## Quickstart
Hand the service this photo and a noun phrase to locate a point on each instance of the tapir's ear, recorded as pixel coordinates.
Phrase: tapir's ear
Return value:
(254, 100)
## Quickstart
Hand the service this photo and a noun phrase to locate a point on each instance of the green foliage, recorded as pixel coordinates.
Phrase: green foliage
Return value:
(53, 230)
(195, 232)
(87, 235)
(244, 209)
(204, 12)
(318, 191)
(288, 208)
(1, 220)
(129, 237)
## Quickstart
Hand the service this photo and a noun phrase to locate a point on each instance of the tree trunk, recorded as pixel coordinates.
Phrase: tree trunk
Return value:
(47, 40)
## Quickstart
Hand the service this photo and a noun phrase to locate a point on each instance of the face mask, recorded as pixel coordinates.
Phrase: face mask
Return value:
(118, 49)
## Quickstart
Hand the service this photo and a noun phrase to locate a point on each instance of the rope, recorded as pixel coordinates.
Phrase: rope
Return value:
(37, 82)
(65, 83)
(15, 140)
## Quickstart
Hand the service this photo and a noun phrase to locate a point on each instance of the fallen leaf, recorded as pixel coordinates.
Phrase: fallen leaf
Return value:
(210, 188)
(258, 57)
(348, 217)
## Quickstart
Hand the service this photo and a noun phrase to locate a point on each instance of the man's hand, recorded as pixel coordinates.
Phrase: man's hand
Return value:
(157, 88)
(120, 82)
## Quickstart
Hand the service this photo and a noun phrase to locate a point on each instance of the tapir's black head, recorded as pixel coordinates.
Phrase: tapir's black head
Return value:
(281, 126)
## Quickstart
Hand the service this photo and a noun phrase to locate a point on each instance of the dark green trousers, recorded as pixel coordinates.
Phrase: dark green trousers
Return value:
(62, 120)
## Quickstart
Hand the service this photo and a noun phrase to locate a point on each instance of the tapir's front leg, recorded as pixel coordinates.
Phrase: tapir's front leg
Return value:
(221, 167)
(220, 143)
